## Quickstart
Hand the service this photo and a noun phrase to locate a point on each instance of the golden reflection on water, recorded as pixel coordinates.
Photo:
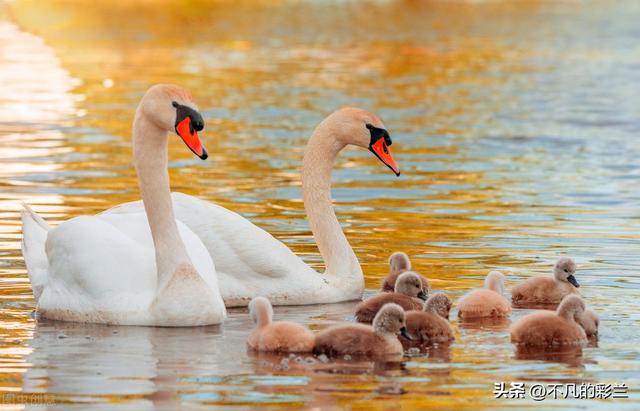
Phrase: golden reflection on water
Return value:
(254, 80)
(481, 187)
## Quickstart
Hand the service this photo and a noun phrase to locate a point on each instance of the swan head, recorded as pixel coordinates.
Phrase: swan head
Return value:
(399, 262)
(391, 320)
(438, 304)
(565, 270)
(495, 282)
(409, 283)
(571, 307)
(260, 311)
(589, 321)
(361, 128)
(172, 109)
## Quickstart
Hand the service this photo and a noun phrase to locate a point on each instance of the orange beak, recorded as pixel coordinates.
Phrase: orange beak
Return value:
(190, 137)
(381, 150)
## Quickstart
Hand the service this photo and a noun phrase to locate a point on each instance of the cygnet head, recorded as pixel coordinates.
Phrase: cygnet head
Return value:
(589, 321)
(350, 125)
(391, 320)
(261, 311)
(565, 270)
(495, 282)
(171, 108)
(409, 283)
(571, 307)
(438, 304)
(399, 262)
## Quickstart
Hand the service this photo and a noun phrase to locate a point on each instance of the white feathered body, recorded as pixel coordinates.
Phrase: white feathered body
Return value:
(102, 269)
(251, 262)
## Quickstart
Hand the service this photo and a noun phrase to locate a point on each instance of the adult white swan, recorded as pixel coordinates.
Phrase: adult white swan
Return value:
(128, 268)
(251, 262)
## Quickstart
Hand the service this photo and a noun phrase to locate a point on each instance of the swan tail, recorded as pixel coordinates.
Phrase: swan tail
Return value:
(34, 236)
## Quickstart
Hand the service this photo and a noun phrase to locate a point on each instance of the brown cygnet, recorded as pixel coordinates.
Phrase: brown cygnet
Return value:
(487, 301)
(546, 328)
(378, 340)
(408, 294)
(276, 336)
(547, 290)
(399, 263)
(589, 321)
(430, 325)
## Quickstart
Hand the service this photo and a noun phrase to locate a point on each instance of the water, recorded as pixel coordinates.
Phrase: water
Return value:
(515, 124)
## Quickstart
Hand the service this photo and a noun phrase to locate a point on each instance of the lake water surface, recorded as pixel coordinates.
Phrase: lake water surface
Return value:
(516, 126)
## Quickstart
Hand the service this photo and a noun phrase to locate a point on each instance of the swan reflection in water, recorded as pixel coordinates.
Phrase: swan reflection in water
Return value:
(154, 365)
(211, 365)
(570, 355)
(95, 361)
(485, 323)
(174, 366)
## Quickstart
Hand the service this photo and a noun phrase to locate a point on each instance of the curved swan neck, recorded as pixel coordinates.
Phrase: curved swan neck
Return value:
(261, 311)
(150, 160)
(264, 316)
(495, 282)
(320, 153)
(570, 308)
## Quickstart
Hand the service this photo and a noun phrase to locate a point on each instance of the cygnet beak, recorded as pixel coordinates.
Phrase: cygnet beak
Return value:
(405, 333)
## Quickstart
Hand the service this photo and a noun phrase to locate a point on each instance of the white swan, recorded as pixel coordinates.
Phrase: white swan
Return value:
(128, 268)
(251, 262)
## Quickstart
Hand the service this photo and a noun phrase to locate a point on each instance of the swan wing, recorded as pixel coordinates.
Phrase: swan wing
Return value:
(134, 224)
(94, 267)
(102, 269)
(249, 261)
(239, 247)
(34, 235)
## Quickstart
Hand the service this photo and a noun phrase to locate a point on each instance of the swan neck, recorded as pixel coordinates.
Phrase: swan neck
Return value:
(319, 156)
(261, 311)
(494, 282)
(567, 311)
(264, 318)
(150, 160)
